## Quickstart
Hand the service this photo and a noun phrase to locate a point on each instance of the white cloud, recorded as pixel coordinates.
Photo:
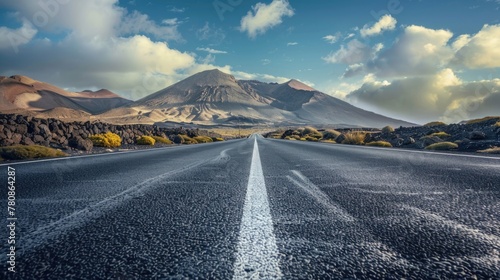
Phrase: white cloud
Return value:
(481, 50)
(419, 51)
(97, 53)
(442, 96)
(171, 21)
(13, 38)
(137, 23)
(332, 39)
(211, 51)
(386, 22)
(355, 52)
(292, 44)
(264, 17)
(349, 36)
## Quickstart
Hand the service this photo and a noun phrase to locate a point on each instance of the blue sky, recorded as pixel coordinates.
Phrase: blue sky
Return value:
(416, 60)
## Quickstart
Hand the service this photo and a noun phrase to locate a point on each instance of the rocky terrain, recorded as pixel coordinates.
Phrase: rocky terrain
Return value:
(74, 136)
(471, 136)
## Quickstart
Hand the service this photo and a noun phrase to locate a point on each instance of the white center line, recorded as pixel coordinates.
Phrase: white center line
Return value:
(257, 254)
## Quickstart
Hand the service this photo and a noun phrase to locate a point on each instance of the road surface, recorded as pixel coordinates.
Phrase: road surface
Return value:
(256, 208)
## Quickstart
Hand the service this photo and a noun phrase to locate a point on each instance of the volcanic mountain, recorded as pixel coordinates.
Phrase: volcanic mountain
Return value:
(23, 94)
(213, 97)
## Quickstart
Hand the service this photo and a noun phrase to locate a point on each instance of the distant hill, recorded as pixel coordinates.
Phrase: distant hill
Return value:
(21, 93)
(213, 97)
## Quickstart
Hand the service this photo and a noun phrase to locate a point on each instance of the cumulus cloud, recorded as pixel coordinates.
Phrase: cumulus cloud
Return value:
(264, 17)
(13, 38)
(442, 96)
(419, 51)
(355, 52)
(481, 50)
(386, 22)
(210, 50)
(97, 53)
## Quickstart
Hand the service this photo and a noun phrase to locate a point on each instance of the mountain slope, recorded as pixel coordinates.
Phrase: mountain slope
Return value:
(23, 93)
(213, 97)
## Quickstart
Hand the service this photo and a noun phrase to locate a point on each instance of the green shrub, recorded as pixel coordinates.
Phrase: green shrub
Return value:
(187, 139)
(162, 140)
(217, 139)
(203, 139)
(146, 140)
(431, 124)
(442, 146)
(29, 152)
(441, 134)
(354, 138)
(494, 150)
(485, 119)
(379, 144)
(331, 134)
(108, 140)
(387, 129)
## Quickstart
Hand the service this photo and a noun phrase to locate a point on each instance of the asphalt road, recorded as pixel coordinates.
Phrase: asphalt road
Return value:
(256, 208)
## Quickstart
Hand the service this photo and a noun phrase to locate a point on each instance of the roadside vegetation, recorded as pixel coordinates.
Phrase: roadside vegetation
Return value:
(162, 140)
(380, 144)
(442, 146)
(494, 150)
(441, 135)
(146, 140)
(18, 152)
(108, 140)
(354, 138)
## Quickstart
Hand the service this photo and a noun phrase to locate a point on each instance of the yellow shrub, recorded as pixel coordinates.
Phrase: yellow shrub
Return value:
(160, 139)
(442, 146)
(494, 150)
(387, 129)
(441, 134)
(497, 124)
(146, 140)
(354, 138)
(203, 139)
(187, 139)
(29, 152)
(379, 144)
(108, 139)
(217, 139)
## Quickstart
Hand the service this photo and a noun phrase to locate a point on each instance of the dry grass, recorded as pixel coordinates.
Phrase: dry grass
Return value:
(203, 139)
(441, 134)
(379, 144)
(431, 124)
(483, 120)
(329, 141)
(354, 138)
(494, 150)
(497, 124)
(442, 146)
(29, 152)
